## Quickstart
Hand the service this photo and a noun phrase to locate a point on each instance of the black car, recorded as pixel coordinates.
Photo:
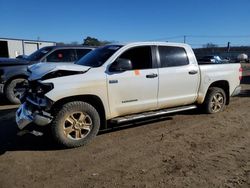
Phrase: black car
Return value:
(14, 71)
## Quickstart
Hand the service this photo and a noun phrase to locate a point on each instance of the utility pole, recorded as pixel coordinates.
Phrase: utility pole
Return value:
(184, 38)
(228, 47)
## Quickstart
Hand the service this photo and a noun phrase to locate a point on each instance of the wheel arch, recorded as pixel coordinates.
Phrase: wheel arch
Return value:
(223, 84)
(93, 100)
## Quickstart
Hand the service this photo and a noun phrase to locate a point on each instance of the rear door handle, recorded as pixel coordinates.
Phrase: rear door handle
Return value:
(151, 75)
(193, 72)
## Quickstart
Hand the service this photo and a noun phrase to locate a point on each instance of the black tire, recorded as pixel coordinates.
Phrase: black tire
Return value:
(72, 131)
(215, 100)
(12, 93)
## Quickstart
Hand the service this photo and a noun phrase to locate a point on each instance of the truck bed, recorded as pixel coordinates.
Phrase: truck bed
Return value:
(229, 72)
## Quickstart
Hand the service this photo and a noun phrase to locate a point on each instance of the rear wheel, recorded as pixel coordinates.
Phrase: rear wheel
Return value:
(215, 100)
(13, 92)
(75, 124)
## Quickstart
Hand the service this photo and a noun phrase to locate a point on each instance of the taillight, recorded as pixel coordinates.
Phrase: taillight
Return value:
(240, 71)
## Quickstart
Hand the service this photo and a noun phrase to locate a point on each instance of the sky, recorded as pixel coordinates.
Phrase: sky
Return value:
(202, 21)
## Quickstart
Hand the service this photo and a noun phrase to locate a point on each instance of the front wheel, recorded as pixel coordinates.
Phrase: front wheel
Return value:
(215, 100)
(75, 124)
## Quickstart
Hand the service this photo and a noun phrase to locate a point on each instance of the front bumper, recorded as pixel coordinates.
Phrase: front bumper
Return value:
(25, 116)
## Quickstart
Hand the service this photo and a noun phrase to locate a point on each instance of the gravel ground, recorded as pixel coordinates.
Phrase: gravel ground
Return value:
(188, 149)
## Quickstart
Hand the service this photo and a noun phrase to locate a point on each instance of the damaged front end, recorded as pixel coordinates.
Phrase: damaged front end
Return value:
(36, 107)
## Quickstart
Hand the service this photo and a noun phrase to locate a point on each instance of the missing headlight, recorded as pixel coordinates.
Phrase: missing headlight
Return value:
(39, 89)
(43, 88)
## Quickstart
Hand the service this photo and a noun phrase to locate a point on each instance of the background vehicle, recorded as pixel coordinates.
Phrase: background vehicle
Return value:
(14, 71)
(212, 59)
(243, 58)
(121, 83)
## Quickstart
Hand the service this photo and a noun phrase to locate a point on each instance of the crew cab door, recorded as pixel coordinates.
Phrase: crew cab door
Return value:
(178, 77)
(134, 90)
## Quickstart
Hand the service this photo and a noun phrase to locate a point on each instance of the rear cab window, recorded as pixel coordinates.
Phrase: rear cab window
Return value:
(171, 56)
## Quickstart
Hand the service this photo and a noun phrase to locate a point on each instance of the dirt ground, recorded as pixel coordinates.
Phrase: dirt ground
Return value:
(188, 149)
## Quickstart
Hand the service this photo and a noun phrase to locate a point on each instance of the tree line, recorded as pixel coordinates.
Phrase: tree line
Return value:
(88, 41)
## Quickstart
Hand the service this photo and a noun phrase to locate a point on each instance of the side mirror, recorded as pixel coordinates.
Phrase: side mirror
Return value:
(121, 65)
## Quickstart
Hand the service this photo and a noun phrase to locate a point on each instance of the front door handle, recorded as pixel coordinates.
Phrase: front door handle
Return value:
(151, 75)
(193, 72)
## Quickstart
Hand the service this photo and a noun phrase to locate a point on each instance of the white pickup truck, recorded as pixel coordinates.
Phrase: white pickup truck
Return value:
(121, 83)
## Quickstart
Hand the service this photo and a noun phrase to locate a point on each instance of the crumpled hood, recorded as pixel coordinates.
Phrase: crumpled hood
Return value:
(12, 62)
(39, 70)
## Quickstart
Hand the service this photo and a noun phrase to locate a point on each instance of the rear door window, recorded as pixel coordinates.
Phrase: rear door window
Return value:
(171, 56)
(62, 55)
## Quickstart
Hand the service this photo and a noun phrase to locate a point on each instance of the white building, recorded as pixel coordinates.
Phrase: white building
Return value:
(12, 48)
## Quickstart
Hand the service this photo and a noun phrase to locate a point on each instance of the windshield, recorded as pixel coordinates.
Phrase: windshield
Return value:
(37, 55)
(99, 56)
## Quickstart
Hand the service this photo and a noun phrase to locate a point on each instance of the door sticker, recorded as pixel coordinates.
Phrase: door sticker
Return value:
(137, 72)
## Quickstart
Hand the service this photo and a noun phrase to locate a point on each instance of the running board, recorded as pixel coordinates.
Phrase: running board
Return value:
(144, 115)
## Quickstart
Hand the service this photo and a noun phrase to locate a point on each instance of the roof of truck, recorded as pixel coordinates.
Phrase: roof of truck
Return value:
(73, 46)
(156, 43)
